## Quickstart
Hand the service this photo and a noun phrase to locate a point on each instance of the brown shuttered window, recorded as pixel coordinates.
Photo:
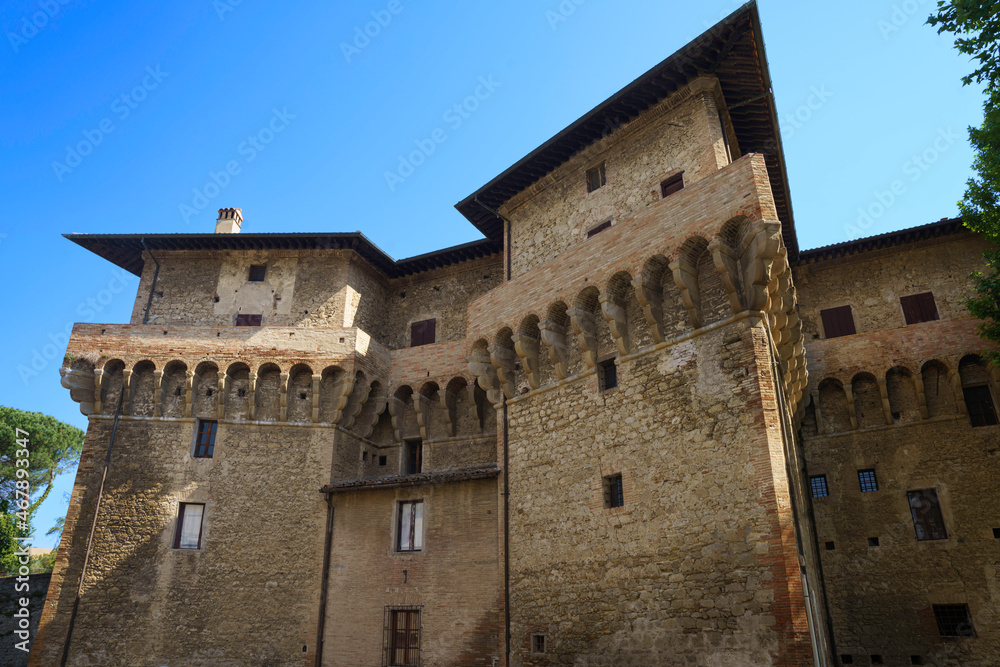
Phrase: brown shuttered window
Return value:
(979, 405)
(414, 457)
(838, 322)
(249, 320)
(422, 333)
(919, 308)
(599, 228)
(672, 185)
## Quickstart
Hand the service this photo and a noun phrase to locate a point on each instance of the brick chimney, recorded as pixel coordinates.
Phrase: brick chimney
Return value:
(230, 220)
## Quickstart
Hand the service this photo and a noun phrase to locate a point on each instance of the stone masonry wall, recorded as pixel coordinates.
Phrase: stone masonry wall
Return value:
(249, 595)
(699, 565)
(873, 282)
(681, 134)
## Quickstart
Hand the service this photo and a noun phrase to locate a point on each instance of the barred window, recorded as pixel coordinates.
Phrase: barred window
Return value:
(614, 492)
(401, 637)
(607, 375)
(257, 273)
(817, 484)
(926, 512)
(867, 480)
(954, 620)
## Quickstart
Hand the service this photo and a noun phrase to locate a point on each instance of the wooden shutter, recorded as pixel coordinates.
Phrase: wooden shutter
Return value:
(422, 333)
(672, 185)
(838, 322)
(919, 308)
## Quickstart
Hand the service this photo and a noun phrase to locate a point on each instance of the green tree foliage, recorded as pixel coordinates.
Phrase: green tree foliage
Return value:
(976, 26)
(53, 447)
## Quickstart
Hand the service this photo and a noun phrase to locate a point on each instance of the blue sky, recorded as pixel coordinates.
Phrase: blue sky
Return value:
(137, 117)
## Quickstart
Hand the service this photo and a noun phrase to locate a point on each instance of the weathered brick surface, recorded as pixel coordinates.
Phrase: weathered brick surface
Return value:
(695, 563)
(453, 578)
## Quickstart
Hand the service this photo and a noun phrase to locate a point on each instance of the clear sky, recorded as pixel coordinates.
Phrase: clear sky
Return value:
(123, 117)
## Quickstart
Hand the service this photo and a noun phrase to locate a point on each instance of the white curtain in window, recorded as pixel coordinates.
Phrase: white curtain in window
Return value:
(191, 528)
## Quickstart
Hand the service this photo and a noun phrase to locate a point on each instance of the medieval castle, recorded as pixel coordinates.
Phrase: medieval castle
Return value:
(634, 425)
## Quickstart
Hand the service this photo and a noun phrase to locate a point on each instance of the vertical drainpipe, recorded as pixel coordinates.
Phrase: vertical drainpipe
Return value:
(506, 538)
(93, 528)
(327, 552)
(152, 288)
(506, 466)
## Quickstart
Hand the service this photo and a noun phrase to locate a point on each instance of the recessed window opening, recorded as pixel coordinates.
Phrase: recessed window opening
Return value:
(410, 527)
(867, 480)
(204, 445)
(257, 273)
(599, 228)
(607, 375)
(614, 491)
(671, 185)
(189, 520)
(596, 178)
(817, 484)
(954, 620)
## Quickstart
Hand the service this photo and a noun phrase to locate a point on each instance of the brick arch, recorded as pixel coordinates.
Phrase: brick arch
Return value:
(734, 231)
(205, 387)
(299, 396)
(868, 407)
(938, 386)
(173, 389)
(267, 395)
(901, 389)
(237, 398)
(834, 406)
(141, 397)
(112, 382)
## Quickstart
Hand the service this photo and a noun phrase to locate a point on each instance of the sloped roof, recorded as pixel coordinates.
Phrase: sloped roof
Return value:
(733, 51)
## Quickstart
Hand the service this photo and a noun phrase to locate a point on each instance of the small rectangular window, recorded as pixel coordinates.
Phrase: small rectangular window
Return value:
(671, 185)
(414, 457)
(979, 405)
(257, 273)
(873, 541)
(422, 332)
(381, 460)
(538, 641)
(846, 659)
(867, 480)
(817, 484)
(249, 320)
(204, 443)
(954, 620)
(876, 659)
(614, 492)
(189, 518)
(919, 308)
(926, 512)
(607, 375)
(596, 178)
(402, 641)
(599, 228)
(410, 536)
(838, 322)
